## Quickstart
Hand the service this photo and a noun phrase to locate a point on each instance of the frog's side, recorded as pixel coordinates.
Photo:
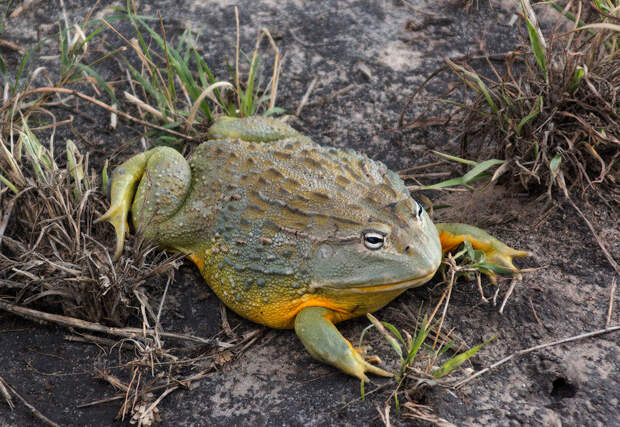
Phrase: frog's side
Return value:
(288, 233)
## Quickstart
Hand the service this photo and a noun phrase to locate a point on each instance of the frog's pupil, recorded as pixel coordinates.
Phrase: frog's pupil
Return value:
(373, 240)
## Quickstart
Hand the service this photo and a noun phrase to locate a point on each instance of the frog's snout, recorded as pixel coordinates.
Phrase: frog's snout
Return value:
(424, 253)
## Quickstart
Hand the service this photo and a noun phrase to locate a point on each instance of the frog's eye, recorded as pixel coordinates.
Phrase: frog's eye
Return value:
(373, 240)
(419, 210)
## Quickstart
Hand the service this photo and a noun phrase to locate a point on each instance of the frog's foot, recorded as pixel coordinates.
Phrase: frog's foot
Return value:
(123, 187)
(452, 235)
(324, 342)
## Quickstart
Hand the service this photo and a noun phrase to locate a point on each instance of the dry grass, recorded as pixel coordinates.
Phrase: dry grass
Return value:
(55, 263)
(553, 110)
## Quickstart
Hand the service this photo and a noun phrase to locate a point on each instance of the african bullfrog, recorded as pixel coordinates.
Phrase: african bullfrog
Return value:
(286, 232)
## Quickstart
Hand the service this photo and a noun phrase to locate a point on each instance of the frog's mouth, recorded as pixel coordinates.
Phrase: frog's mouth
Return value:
(391, 287)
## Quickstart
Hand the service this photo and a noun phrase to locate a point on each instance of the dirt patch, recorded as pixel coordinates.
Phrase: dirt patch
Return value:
(371, 57)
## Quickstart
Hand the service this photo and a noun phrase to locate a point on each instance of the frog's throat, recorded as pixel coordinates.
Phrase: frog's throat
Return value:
(385, 287)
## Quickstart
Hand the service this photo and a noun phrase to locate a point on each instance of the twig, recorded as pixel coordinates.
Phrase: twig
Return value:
(385, 415)
(185, 382)
(612, 261)
(11, 45)
(5, 393)
(82, 324)
(513, 283)
(19, 9)
(445, 307)
(537, 347)
(225, 324)
(97, 103)
(424, 166)
(34, 410)
(534, 313)
(332, 95)
(159, 399)
(90, 339)
(304, 100)
(610, 309)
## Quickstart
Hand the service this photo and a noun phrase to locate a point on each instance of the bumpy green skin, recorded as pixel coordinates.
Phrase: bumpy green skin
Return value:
(276, 224)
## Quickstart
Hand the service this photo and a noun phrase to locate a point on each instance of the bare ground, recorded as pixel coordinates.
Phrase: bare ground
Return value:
(370, 56)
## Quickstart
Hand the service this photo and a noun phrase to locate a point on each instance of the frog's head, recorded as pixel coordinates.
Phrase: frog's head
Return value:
(383, 255)
(384, 242)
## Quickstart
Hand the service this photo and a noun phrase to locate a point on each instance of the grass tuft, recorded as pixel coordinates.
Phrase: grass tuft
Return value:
(554, 112)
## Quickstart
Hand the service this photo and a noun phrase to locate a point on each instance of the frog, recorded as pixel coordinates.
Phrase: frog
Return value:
(289, 233)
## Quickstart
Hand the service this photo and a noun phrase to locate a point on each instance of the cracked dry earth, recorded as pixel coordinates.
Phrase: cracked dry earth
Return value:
(368, 56)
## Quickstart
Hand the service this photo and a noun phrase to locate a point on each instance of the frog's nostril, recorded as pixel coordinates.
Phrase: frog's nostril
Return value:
(407, 248)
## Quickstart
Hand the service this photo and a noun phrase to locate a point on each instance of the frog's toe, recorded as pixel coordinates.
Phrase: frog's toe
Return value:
(357, 365)
(117, 216)
(504, 255)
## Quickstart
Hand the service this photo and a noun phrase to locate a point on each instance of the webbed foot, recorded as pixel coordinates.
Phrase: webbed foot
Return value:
(123, 186)
(324, 342)
(452, 235)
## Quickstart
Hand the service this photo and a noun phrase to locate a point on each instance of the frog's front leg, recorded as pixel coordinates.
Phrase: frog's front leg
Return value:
(324, 342)
(452, 235)
(163, 178)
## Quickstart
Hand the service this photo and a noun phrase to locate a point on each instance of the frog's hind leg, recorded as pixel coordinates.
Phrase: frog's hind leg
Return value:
(251, 129)
(452, 235)
(163, 176)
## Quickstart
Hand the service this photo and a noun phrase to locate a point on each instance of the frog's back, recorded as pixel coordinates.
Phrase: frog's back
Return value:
(257, 192)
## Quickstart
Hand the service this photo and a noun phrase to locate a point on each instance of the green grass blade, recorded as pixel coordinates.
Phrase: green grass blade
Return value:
(456, 159)
(447, 183)
(536, 40)
(274, 111)
(479, 169)
(9, 184)
(537, 48)
(22, 65)
(417, 343)
(393, 330)
(366, 329)
(554, 164)
(389, 338)
(132, 19)
(498, 269)
(458, 360)
(481, 86)
(99, 80)
(105, 176)
(537, 109)
(580, 72)
(34, 152)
